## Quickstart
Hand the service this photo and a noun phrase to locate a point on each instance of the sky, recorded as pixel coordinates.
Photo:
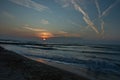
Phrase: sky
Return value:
(88, 19)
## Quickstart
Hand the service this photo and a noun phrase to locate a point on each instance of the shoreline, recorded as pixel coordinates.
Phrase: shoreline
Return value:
(22, 68)
(75, 69)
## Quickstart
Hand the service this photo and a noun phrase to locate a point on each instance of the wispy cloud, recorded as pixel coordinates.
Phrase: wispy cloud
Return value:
(64, 3)
(66, 34)
(75, 24)
(43, 21)
(30, 4)
(8, 15)
(34, 29)
(40, 31)
(62, 32)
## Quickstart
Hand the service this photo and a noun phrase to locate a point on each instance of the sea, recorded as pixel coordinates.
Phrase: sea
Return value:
(94, 61)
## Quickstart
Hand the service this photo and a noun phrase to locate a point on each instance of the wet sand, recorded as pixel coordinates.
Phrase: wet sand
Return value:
(16, 67)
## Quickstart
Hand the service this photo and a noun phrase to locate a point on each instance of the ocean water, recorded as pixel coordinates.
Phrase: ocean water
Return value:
(97, 62)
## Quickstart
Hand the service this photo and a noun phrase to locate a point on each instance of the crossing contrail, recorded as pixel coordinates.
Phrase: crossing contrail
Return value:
(102, 14)
(98, 7)
(99, 15)
(85, 16)
(91, 24)
(109, 8)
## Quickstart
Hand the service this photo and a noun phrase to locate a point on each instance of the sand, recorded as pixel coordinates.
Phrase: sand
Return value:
(16, 67)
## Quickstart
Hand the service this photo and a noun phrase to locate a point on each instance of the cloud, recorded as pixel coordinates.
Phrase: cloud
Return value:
(44, 35)
(30, 4)
(7, 14)
(66, 34)
(44, 21)
(41, 31)
(75, 24)
(34, 29)
(64, 3)
(62, 32)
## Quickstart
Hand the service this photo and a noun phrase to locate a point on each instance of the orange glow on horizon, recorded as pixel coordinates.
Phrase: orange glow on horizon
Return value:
(45, 35)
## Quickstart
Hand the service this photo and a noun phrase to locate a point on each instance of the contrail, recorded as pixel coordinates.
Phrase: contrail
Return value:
(88, 21)
(103, 14)
(102, 27)
(101, 20)
(109, 8)
(98, 7)
(85, 16)
(77, 7)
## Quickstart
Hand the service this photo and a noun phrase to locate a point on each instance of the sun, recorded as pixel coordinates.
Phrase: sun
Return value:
(44, 39)
(45, 35)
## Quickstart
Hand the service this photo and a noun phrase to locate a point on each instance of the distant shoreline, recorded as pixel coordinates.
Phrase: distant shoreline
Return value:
(16, 67)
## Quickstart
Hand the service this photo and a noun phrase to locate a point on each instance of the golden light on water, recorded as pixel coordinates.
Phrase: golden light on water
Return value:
(45, 35)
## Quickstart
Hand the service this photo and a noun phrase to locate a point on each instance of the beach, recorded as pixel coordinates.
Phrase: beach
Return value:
(16, 67)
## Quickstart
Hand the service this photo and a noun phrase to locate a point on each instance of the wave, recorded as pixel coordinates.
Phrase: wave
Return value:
(92, 65)
(98, 59)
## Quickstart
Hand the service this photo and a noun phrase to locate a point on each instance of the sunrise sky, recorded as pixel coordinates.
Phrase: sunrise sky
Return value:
(91, 19)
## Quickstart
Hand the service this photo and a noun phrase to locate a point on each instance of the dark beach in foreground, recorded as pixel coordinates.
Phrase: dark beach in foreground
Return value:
(16, 67)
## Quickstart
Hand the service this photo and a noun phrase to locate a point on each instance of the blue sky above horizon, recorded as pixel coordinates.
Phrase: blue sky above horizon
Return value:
(92, 19)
